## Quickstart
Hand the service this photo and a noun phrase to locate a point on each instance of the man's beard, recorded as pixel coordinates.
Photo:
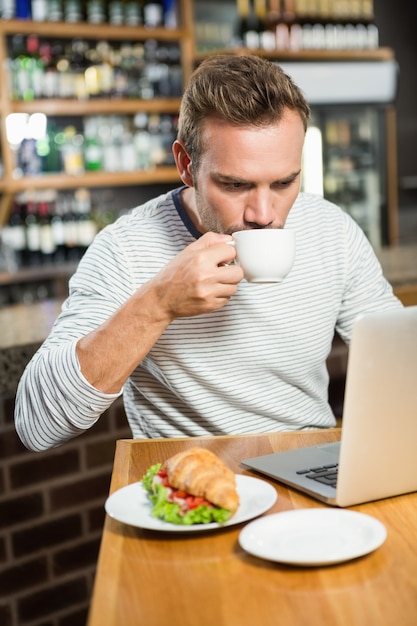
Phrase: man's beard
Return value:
(210, 221)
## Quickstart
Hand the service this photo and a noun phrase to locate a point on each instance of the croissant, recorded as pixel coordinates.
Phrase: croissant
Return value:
(200, 472)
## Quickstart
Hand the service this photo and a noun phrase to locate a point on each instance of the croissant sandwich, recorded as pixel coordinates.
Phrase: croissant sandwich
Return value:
(192, 487)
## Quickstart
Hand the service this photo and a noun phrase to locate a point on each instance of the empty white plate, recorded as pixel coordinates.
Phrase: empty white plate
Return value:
(311, 537)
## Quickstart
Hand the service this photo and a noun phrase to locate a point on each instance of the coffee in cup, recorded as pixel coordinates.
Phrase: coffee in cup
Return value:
(265, 255)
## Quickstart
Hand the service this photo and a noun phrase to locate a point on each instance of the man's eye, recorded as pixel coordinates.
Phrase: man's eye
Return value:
(233, 186)
(285, 183)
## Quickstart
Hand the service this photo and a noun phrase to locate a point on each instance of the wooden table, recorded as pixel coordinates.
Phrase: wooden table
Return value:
(146, 578)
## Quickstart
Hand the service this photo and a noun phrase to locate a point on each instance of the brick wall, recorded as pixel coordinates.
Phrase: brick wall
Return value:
(51, 519)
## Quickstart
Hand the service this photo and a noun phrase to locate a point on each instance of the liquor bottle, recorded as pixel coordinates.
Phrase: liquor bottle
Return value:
(153, 13)
(78, 65)
(105, 70)
(8, 9)
(70, 229)
(93, 150)
(58, 229)
(28, 159)
(116, 12)
(92, 73)
(35, 67)
(46, 238)
(283, 34)
(73, 11)
(171, 13)
(168, 134)
(23, 9)
(151, 70)
(289, 13)
(142, 141)
(132, 13)
(109, 131)
(288, 31)
(274, 13)
(20, 69)
(64, 79)
(47, 149)
(372, 40)
(255, 27)
(14, 234)
(55, 11)
(72, 152)
(96, 13)
(86, 226)
(243, 10)
(266, 37)
(33, 234)
(249, 25)
(39, 10)
(126, 150)
(157, 148)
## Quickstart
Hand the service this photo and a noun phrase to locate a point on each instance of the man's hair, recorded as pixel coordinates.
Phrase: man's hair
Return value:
(245, 91)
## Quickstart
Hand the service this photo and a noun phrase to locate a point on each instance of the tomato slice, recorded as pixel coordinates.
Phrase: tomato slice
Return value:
(194, 501)
(191, 502)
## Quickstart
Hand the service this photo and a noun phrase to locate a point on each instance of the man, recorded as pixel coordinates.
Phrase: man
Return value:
(157, 310)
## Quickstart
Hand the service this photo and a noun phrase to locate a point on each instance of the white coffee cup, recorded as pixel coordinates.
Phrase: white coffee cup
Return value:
(265, 255)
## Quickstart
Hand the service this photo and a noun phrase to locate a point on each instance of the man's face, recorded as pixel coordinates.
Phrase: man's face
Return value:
(248, 177)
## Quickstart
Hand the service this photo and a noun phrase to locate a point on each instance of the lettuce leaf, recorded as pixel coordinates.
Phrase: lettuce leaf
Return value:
(147, 479)
(171, 511)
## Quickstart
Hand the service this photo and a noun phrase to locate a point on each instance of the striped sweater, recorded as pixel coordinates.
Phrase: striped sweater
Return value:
(257, 365)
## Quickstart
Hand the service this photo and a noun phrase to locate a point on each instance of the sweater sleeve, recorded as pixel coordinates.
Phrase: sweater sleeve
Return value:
(366, 288)
(54, 402)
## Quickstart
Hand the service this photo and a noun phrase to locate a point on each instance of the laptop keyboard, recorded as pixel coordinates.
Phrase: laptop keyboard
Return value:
(325, 474)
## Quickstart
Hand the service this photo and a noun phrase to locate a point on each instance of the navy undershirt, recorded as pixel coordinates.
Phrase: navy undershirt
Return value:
(179, 205)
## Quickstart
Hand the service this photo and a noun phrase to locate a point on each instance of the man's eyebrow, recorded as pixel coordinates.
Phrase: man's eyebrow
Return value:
(290, 176)
(228, 179)
(235, 179)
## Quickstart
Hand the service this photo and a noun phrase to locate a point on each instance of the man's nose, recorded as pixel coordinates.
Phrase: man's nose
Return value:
(259, 210)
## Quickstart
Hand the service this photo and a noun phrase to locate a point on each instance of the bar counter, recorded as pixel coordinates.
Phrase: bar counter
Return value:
(400, 268)
(23, 327)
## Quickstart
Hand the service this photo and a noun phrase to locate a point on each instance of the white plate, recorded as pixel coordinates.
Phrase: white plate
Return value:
(131, 505)
(313, 536)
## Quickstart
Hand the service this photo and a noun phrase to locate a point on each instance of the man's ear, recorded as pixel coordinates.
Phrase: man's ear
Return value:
(183, 162)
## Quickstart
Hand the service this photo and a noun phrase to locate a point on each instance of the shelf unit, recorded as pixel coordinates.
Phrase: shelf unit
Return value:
(190, 58)
(9, 185)
(184, 36)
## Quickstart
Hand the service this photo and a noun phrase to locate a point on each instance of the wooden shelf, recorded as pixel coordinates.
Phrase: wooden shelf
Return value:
(41, 273)
(159, 174)
(9, 185)
(379, 54)
(90, 31)
(59, 107)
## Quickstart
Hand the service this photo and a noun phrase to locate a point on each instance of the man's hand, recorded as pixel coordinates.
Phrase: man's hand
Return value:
(198, 280)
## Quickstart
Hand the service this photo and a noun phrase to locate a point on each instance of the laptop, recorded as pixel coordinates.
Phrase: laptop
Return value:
(377, 455)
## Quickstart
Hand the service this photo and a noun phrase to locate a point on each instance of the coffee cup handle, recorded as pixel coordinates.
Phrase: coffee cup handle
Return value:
(231, 243)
